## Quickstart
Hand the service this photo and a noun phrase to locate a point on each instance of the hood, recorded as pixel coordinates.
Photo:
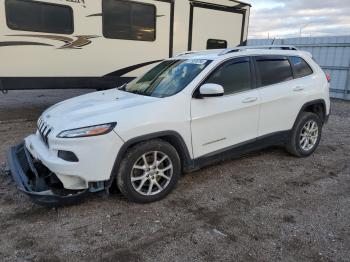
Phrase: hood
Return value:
(92, 109)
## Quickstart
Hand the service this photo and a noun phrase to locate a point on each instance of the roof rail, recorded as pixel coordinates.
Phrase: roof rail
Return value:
(198, 52)
(243, 48)
(186, 53)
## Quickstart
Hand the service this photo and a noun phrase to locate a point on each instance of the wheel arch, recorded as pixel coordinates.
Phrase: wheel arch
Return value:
(172, 137)
(316, 106)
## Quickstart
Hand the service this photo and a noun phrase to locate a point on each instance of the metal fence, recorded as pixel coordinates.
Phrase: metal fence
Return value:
(332, 53)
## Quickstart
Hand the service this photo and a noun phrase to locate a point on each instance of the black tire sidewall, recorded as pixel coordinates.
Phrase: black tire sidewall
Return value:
(302, 121)
(124, 174)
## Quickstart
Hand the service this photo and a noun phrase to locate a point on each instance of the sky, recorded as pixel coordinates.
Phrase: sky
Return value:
(284, 18)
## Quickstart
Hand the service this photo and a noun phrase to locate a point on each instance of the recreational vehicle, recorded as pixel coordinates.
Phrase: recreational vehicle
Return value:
(104, 43)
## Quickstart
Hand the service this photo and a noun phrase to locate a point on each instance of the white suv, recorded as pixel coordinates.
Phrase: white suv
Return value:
(185, 113)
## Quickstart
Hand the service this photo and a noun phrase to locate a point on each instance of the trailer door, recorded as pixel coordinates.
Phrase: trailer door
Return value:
(215, 26)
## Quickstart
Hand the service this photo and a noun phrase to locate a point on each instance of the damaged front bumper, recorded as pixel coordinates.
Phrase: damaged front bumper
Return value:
(40, 184)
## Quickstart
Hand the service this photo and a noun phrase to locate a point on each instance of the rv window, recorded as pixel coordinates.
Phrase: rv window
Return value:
(129, 20)
(216, 44)
(39, 17)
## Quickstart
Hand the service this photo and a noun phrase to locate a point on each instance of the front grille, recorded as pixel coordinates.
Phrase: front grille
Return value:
(44, 131)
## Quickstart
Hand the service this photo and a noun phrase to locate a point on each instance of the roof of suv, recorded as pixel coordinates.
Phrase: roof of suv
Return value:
(219, 54)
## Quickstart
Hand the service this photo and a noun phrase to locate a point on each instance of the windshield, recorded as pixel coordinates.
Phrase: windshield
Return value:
(167, 78)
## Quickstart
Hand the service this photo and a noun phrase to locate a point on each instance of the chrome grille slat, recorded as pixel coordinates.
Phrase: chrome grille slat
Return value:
(42, 127)
(44, 131)
(47, 135)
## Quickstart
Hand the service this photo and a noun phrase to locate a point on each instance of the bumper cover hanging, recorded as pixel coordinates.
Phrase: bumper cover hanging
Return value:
(31, 182)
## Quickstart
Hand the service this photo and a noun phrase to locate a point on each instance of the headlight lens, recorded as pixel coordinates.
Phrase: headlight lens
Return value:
(88, 131)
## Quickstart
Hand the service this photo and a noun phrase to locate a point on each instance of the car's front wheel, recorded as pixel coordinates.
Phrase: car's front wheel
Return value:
(149, 171)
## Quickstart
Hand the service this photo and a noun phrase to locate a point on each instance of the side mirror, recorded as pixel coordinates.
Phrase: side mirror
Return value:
(211, 90)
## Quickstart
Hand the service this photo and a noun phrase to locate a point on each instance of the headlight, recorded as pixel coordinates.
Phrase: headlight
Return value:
(88, 131)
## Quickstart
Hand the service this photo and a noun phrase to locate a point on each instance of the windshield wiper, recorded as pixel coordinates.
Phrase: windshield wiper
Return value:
(122, 87)
(139, 93)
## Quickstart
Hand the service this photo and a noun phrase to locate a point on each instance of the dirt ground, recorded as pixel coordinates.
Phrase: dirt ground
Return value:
(266, 206)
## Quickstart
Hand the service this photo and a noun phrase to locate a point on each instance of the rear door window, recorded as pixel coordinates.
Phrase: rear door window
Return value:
(274, 69)
(300, 67)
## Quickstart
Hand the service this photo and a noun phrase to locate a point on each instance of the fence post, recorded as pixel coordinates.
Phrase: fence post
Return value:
(347, 85)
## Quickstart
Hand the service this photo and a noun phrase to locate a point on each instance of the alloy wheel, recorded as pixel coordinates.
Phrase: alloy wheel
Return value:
(309, 135)
(152, 173)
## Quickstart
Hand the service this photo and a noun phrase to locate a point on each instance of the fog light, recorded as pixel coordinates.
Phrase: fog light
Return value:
(68, 156)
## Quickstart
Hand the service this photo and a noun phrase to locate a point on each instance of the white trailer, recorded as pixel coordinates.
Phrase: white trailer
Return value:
(104, 43)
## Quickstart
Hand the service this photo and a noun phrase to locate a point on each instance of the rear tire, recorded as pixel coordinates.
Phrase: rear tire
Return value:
(149, 171)
(306, 135)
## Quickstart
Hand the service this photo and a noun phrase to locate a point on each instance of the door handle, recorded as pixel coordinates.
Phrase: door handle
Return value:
(298, 88)
(249, 100)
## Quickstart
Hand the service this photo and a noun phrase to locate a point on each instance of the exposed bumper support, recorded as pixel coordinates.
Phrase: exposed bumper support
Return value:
(40, 186)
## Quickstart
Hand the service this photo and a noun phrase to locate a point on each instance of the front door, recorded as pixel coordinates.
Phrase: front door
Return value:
(219, 123)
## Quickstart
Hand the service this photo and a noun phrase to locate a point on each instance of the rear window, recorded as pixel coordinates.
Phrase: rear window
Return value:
(301, 68)
(129, 20)
(39, 17)
(274, 69)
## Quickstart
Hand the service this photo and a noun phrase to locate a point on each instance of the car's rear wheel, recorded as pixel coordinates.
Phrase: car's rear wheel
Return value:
(149, 171)
(306, 135)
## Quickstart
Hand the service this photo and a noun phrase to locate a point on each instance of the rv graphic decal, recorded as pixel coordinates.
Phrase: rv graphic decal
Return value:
(21, 43)
(97, 14)
(129, 69)
(100, 14)
(70, 43)
(82, 2)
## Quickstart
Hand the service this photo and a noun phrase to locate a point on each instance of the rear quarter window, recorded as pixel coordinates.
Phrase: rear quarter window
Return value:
(300, 66)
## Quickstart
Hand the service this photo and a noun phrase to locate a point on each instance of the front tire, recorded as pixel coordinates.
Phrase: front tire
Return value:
(149, 171)
(306, 135)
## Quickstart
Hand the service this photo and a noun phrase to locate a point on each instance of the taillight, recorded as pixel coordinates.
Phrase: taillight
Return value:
(328, 76)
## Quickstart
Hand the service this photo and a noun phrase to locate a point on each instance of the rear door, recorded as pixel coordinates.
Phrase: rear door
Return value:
(281, 96)
(215, 26)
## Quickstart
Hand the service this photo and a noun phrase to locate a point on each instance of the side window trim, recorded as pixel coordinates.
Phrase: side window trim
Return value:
(48, 4)
(293, 68)
(257, 76)
(253, 78)
(130, 39)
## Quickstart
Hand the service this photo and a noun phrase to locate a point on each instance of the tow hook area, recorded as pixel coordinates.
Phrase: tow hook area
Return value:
(39, 183)
(95, 187)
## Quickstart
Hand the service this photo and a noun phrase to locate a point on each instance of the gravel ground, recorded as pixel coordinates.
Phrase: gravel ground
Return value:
(265, 206)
